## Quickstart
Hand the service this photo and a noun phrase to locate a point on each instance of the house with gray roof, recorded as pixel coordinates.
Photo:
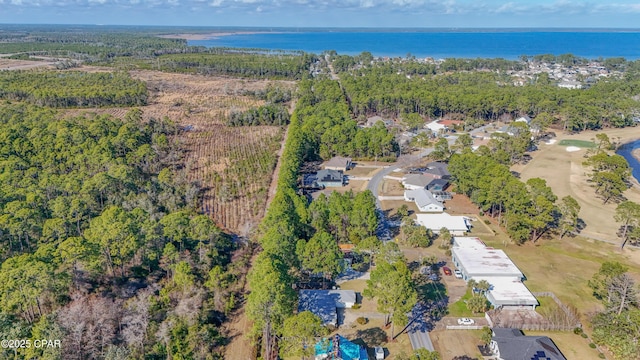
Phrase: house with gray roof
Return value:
(416, 181)
(438, 170)
(325, 303)
(425, 201)
(329, 178)
(338, 163)
(512, 344)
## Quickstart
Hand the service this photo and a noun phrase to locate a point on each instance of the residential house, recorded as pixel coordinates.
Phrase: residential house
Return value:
(425, 201)
(416, 181)
(339, 348)
(436, 127)
(330, 178)
(438, 170)
(325, 303)
(457, 225)
(338, 163)
(512, 344)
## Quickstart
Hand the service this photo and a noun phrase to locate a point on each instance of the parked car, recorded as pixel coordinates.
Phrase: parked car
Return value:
(379, 353)
(465, 321)
(446, 270)
(458, 273)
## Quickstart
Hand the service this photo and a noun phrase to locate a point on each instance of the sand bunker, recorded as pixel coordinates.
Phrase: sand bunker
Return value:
(572, 148)
(550, 141)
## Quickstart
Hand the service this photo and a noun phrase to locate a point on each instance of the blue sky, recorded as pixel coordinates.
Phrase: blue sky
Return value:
(328, 13)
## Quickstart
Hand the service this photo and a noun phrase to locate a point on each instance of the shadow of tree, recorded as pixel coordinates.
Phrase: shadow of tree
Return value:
(371, 337)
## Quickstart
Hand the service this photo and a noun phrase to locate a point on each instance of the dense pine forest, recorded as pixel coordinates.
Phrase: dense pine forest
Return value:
(101, 245)
(72, 89)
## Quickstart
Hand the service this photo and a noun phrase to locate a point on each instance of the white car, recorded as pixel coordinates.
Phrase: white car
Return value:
(458, 273)
(379, 353)
(465, 321)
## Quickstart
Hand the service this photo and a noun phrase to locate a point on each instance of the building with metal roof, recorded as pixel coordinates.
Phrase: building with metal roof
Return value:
(479, 262)
(425, 201)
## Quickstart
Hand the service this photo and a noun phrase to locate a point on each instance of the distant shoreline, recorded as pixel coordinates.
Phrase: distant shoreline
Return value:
(213, 35)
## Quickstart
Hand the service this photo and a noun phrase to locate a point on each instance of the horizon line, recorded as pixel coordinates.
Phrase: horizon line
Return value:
(378, 28)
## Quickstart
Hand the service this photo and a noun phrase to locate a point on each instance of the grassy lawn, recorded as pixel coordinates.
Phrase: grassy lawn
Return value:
(564, 267)
(459, 308)
(360, 171)
(577, 143)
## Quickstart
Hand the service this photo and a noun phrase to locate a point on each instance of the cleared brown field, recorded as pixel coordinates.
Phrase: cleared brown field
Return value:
(12, 64)
(234, 165)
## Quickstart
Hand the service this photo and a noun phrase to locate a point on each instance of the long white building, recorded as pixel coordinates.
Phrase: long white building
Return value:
(478, 262)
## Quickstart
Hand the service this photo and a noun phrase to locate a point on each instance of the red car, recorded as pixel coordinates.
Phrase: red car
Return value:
(446, 270)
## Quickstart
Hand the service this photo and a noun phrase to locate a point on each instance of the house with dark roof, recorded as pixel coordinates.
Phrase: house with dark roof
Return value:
(329, 178)
(437, 170)
(512, 344)
(437, 185)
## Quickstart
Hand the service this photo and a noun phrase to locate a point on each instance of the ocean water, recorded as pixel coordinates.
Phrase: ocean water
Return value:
(507, 44)
(626, 151)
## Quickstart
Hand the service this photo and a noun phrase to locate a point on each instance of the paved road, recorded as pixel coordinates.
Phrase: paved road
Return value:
(374, 186)
(403, 160)
(421, 340)
(418, 329)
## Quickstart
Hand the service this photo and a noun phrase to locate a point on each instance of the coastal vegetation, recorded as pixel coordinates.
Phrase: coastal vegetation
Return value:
(137, 228)
(616, 326)
(481, 97)
(101, 239)
(72, 88)
(272, 66)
